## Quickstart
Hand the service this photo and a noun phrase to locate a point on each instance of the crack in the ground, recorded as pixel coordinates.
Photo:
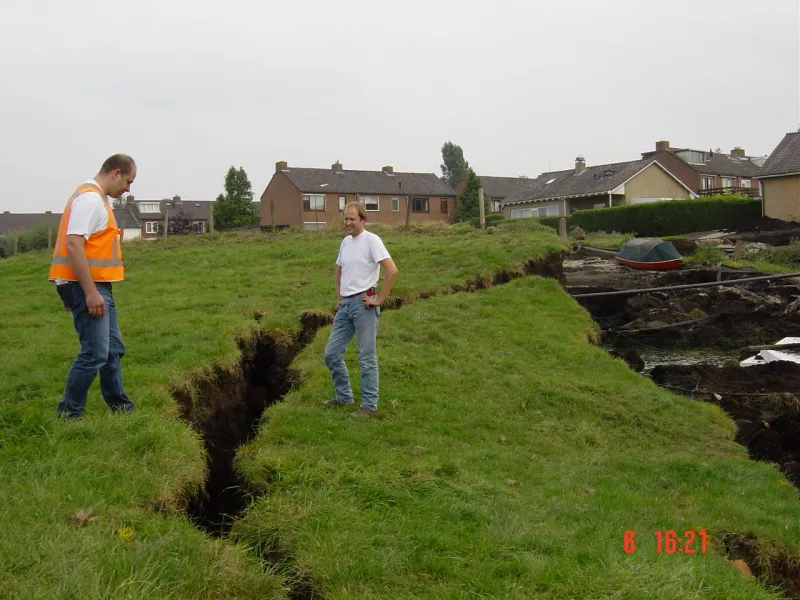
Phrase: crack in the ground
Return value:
(227, 408)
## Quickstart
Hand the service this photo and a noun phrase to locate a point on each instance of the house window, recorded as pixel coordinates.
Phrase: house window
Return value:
(544, 211)
(727, 182)
(444, 206)
(746, 183)
(313, 202)
(370, 203)
(420, 205)
(313, 225)
(199, 226)
(149, 207)
(707, 182)
(151, 227)
(342, 202)
(395, 204)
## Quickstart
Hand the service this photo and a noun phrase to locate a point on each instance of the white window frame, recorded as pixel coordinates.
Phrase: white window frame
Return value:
(535, 211)
(201, 226)
(395, 204)
(151, 227)
(317, 225)
(313, 198)
(367, 200)
(746, 183)
(521, 213)
(708, 182)
(727, 182)
(149, 208)
(342, 202)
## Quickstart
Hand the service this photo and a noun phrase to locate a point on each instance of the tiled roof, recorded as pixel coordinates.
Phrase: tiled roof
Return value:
(594, 180)
(502, 187)
(722, 164)
(126, 218)
(367, 182)
(785, 159)
(20, 221)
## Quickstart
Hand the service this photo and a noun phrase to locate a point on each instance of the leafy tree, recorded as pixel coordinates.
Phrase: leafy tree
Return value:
(120, 202)
(453, 159)
(468, 207)
(180, 224)
(235, 208)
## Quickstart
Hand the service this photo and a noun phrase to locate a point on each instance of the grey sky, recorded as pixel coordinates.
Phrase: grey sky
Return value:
(191, 88)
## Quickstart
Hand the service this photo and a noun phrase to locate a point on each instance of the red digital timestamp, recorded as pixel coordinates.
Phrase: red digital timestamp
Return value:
(670, 542)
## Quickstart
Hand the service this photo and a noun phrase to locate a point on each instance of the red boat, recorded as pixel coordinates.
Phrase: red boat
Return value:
(652, 254)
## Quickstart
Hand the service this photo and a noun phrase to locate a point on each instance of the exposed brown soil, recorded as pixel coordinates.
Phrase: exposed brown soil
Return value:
(762, 400)
(770, 563)
(764, 224)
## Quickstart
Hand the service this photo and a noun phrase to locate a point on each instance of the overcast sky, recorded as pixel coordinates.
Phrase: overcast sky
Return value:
(191, 88)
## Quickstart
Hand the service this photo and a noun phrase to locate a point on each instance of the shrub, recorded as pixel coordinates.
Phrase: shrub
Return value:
(672, 217)
(780, 255)
(492, 219)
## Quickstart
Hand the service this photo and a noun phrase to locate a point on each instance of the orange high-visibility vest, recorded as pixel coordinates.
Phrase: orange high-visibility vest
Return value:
(103, 249)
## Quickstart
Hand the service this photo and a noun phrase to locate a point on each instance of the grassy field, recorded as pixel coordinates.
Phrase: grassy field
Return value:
(510, 458)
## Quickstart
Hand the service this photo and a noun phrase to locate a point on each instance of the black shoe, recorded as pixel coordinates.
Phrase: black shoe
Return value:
(333, 402)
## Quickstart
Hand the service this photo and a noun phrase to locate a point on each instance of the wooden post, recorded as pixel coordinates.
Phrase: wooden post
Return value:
(211, 217)
(738, 250)
(482, 208)
(562, 227)
(409, 202)
(49, 238)
(166, 220)
(719, 271)
(14, 242)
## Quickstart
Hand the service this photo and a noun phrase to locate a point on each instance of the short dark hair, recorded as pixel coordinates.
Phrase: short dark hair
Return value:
(123, 162)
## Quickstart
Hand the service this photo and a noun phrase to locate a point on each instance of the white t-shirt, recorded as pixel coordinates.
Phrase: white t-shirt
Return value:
(87, 216)
(359, 258)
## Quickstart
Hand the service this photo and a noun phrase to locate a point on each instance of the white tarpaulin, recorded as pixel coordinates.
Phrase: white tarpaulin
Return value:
(766, 356)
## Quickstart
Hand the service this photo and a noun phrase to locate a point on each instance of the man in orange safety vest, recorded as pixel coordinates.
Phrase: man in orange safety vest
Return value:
(86, 262)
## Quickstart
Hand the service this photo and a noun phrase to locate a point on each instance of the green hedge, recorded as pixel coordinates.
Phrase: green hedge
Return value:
(672, 217)
(491, 219)
(28, 240)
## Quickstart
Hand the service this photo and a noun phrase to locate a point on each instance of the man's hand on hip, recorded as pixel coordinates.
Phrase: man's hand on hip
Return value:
(371, 301)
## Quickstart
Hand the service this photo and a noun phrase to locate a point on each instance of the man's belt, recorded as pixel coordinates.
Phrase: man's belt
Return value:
(370, 292)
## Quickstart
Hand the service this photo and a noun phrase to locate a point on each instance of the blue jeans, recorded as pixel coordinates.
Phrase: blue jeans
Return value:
(101, 350)
(353, 318)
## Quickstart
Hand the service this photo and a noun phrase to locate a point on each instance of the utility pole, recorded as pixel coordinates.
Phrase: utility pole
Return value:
(166, 219)
(482, 208)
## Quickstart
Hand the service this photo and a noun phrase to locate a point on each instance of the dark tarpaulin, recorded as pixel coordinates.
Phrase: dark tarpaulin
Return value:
(648, 250)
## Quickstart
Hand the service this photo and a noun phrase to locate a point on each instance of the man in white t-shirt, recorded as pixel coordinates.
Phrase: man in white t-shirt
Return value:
(358, 265)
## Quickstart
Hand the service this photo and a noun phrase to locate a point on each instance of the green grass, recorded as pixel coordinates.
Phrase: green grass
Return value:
(184, 303)
(604, 239)
(477, 390)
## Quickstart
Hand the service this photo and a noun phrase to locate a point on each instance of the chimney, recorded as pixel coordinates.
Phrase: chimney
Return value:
(176, 200)
(129, 200)
(6, 212)
(337, 167)
(738, 152)
(281, 166)
(388, 170)
(48, 212)
(580, 165)
(662, 146)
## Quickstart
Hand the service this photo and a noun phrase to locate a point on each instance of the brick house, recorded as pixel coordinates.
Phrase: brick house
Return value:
(561, 193)
(707, 172)
(10, 222)
(495, 189)
(780, 180)
(315, 198)
(150, 215)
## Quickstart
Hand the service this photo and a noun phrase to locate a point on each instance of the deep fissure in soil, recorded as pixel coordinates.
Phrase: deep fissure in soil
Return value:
(227, 413)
